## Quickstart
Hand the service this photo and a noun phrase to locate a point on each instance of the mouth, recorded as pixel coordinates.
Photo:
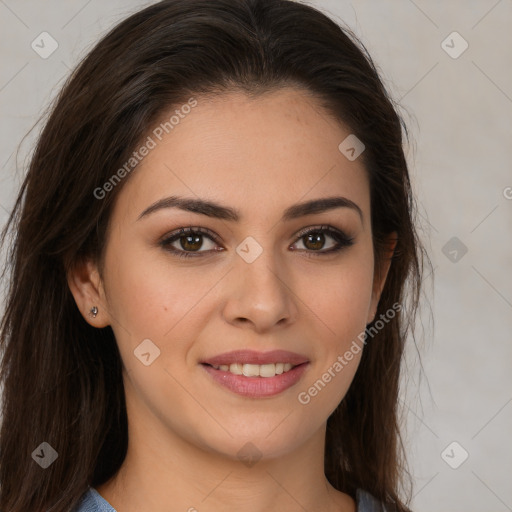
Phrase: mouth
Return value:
(256, 374)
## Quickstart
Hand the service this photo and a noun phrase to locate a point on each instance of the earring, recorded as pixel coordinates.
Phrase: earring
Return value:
(94, 311)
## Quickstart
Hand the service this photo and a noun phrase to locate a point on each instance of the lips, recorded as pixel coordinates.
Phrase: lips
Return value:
(256, 387)
(254, 374)
(254, 357)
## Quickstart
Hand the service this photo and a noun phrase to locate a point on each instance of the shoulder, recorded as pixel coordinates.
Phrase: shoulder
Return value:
(368, 503)
(92, 501)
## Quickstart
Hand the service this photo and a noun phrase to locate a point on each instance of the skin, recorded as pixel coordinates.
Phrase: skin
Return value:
(259, 156)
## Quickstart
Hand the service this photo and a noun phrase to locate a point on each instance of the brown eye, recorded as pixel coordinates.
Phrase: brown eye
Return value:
(190, 242)
(314, 240)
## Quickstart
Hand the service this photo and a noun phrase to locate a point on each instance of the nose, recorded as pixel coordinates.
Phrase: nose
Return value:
(260, 295)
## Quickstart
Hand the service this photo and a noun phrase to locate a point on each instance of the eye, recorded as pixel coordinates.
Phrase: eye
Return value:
(193, 242)
(188, 242)
(315, 240)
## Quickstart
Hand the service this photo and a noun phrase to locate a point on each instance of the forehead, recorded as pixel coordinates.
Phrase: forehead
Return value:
(254, 154)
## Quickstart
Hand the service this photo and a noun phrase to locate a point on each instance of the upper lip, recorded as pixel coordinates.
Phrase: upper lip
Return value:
(254, 357)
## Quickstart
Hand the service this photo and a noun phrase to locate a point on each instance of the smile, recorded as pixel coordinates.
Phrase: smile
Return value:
(255, 370)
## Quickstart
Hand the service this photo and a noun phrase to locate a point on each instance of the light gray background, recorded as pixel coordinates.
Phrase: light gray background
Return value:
(459, 111)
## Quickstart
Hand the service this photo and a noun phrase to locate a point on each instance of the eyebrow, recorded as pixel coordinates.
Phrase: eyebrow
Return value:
(217, 211)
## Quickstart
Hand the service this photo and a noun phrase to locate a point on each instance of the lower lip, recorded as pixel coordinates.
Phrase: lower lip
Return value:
(257, 387)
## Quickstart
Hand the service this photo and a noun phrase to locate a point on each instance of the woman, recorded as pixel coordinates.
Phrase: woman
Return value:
(211, 252)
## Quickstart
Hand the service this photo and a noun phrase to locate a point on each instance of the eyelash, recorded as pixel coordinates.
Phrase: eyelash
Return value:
(341, 238)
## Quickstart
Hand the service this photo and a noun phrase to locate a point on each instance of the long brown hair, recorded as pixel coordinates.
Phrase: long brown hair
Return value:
(62, 379)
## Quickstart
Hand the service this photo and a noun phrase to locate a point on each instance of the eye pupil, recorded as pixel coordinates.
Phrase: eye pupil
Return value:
(316, 239)
(192, 242)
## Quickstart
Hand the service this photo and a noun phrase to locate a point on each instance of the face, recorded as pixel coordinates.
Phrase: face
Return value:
(252, 273)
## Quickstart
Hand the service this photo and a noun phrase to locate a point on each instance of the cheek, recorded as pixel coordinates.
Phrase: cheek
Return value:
(153, 297)
(339, 311)
(150, 292)
(339, 296)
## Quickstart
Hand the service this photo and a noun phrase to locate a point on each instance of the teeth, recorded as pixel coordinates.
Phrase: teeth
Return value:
(267, 370)
(235, 368)
(255, 370)
(251, 370)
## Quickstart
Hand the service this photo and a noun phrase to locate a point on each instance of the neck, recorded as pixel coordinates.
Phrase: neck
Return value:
(164, 472)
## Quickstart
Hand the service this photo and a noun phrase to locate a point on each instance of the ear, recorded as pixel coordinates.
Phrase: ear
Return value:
(381, 273)
(86, 285)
